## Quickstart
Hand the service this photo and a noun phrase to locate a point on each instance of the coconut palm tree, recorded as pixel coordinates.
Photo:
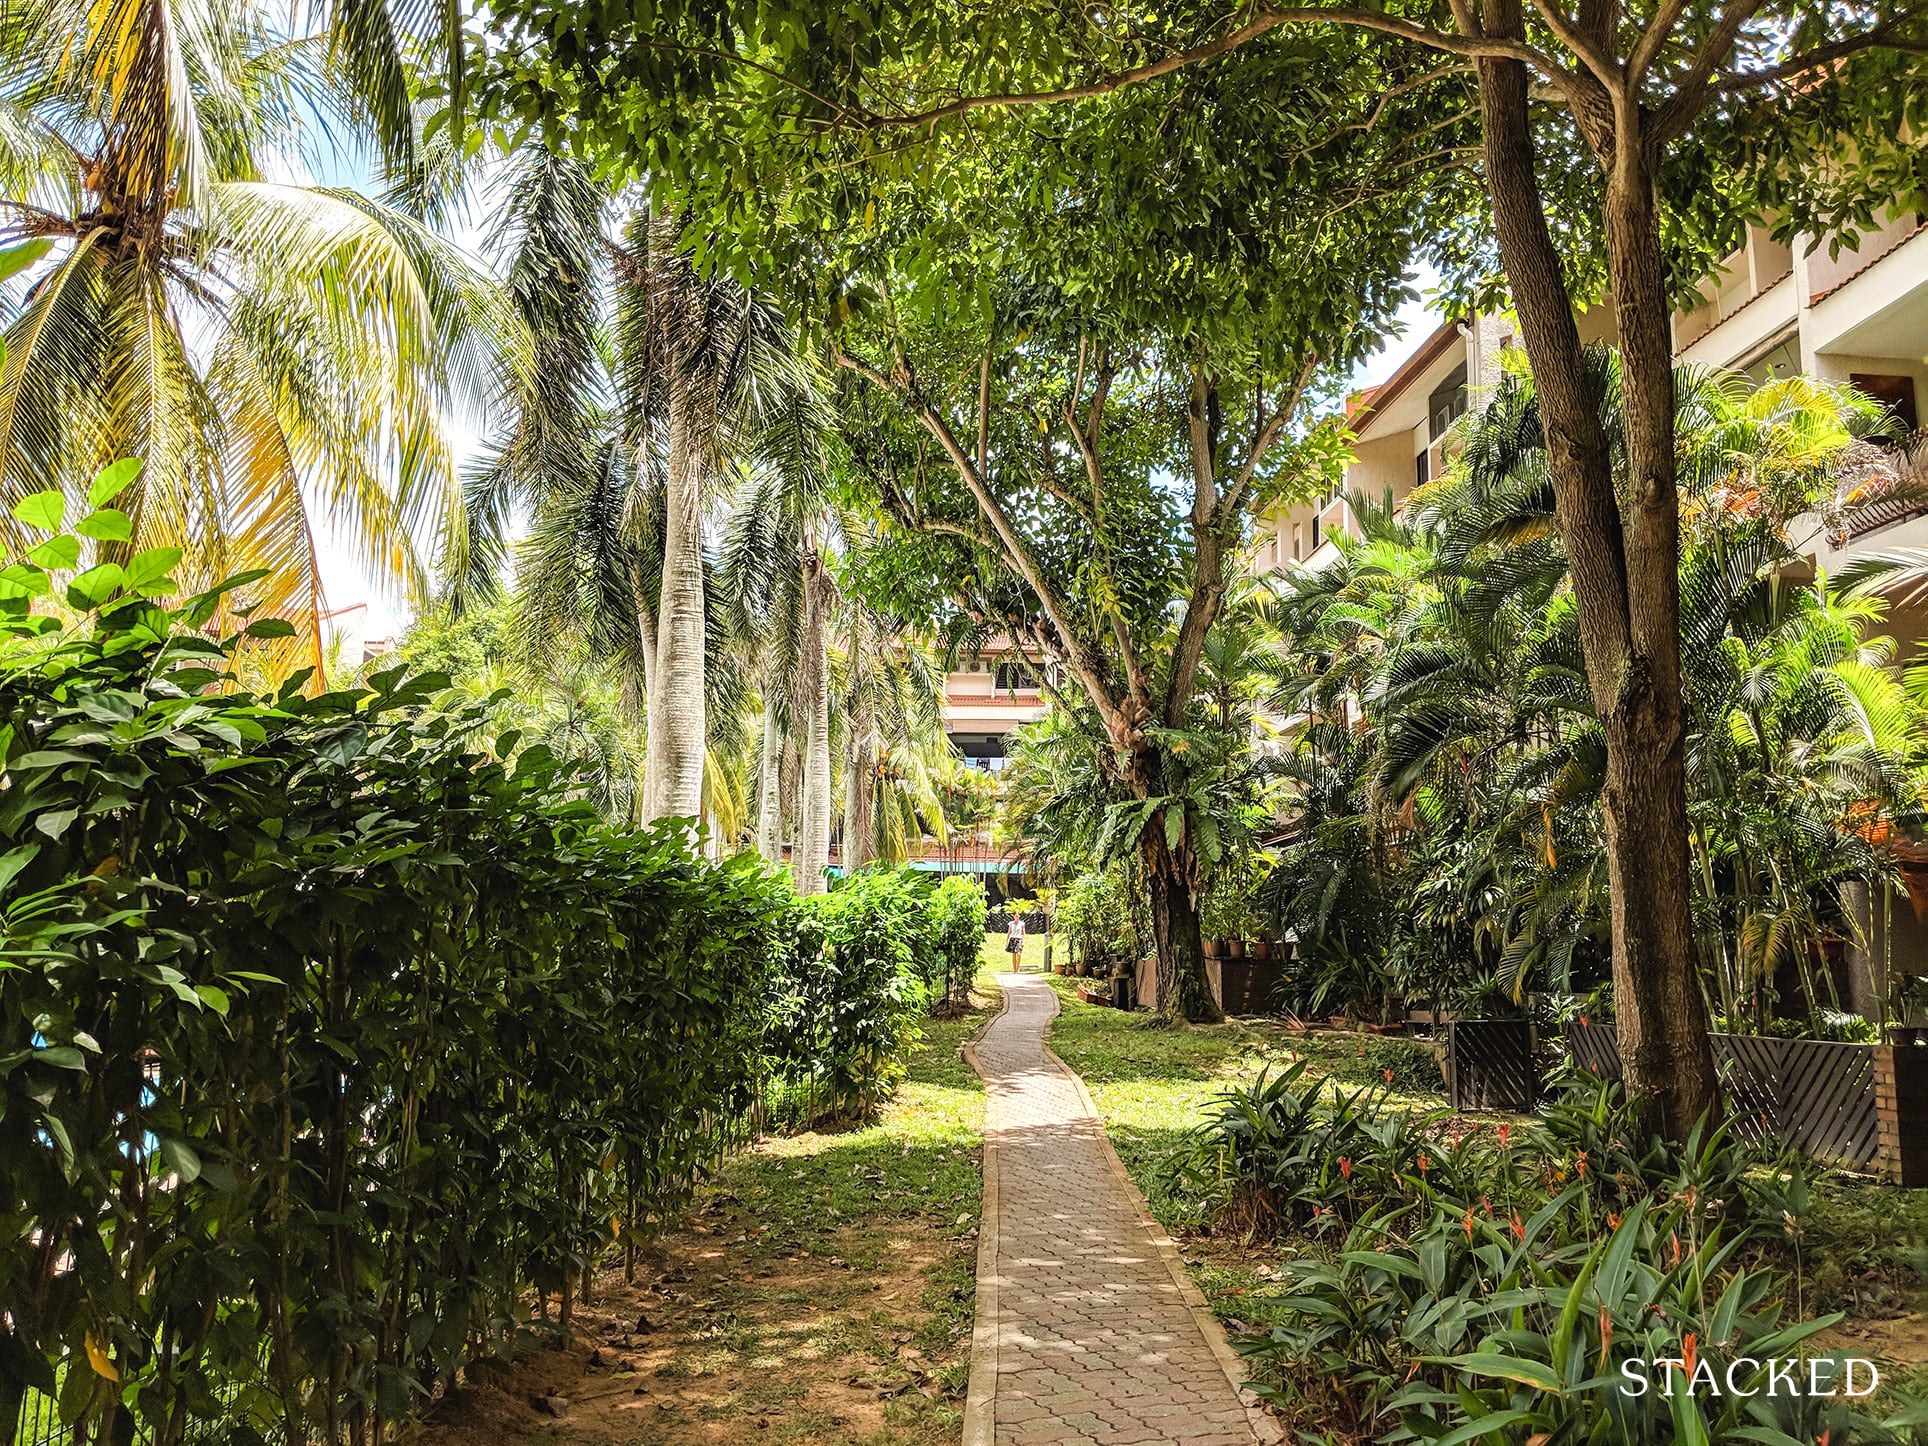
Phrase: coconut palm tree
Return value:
(656, 390)
(277, 353)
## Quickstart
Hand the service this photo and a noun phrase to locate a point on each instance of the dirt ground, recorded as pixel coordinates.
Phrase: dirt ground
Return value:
(821, 1294)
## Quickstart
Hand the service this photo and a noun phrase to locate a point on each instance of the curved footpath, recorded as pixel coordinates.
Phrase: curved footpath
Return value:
(1088, 1330)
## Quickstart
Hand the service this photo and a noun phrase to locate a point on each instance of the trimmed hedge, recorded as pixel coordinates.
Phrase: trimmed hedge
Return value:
(326, 1039)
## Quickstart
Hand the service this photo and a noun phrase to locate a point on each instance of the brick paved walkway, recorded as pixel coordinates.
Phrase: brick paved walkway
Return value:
(1087, 1330)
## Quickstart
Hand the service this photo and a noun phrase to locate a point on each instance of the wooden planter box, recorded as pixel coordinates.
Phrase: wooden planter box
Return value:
(1489, 1064)
(1248, 985)
(1901, 1109)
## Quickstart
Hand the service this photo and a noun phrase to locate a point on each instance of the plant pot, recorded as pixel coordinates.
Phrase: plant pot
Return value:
(1234, 948)
(1906, 1035)
(1260, 949)
(1211, 947)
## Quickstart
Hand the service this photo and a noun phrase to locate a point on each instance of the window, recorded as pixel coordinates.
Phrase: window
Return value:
(1016, 678)
(1298, 540)
(1423, 467)
(1315, 533)
(1447, 404)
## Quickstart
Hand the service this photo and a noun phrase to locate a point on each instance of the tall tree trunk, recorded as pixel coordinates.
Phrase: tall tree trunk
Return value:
(769, 786)
(860, 792)
(678, 732)
(1625, 566)
(813, 845)
(1184, 993)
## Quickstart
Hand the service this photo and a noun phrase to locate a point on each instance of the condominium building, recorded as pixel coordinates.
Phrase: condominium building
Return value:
(986, 697)
(1857, 315)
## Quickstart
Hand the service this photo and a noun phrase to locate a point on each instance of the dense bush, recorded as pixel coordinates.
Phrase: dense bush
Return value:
(958, 910)
(324, 1040)
(851, 995)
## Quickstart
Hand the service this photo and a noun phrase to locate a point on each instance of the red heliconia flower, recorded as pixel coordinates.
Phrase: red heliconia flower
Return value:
(1583, 1021)
(1613, 1221)
(1583, 1164)
(1690, 1353)
(1345, 1166)
(1388, 1076)
(1468, 1223)
(1486, 1206)
(1504, 1132)
(1424, 1164)
(1317, 1211)
(1676, 1259)
(1519, 1230)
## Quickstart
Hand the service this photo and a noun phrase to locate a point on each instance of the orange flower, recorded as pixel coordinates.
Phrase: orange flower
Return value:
(1345, 1166)
(1388, 1076)
(1504, 1132)
(1689, 1354)
(1424, 1164)
(1583, 1164)
(1468, 1223)
(1613, 1221)
(1519, 1230)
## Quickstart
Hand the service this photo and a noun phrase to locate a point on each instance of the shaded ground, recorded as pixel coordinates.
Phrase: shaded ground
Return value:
(822, 1292)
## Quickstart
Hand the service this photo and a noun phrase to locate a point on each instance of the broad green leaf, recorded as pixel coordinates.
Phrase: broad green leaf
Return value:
(56, 554)
(112, 480)
(270, 628)
(1509, 1368)
(182, 1160)
(151, 568)
(106, 525)
(94, 586)
(13, 861)
(57, 822)
(45, 510)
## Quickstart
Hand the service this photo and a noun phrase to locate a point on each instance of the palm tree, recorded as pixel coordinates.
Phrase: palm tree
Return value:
(890, 696)
(1467, 772)
(655, 389)
(275, 352)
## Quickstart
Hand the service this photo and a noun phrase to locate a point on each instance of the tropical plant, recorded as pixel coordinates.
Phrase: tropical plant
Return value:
(285, 356)
(1448, 765)
(654, 389)
(958, 912)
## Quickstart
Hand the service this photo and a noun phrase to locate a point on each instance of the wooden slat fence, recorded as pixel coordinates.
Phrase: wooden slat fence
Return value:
(1815, 1095)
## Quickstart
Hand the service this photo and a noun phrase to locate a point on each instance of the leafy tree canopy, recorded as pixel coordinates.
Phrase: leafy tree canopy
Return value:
(774, 117)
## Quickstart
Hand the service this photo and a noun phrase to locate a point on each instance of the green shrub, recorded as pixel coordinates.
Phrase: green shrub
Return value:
(324, 1039)
(958, 910)
(1094, 917)
(851, 996)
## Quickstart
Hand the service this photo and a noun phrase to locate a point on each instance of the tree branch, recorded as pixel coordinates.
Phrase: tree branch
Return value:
(1083, 660)
(1268, 19)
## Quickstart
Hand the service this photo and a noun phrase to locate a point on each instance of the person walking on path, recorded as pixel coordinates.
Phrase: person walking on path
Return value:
(1014, 942)
(1088, 1331)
